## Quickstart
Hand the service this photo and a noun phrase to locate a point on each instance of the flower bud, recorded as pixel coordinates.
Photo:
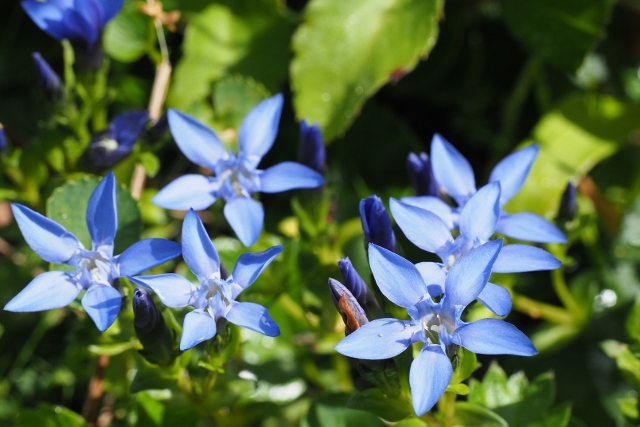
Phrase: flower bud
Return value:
(311, 150)
(568, 205)
(48, 79)
(3, 138)
(352, 313)
(376, 223)
(421, 175)
(111, 145)
(151, 329)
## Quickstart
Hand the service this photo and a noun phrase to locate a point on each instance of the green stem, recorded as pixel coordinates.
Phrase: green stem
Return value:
(537, 309)
(446, 407)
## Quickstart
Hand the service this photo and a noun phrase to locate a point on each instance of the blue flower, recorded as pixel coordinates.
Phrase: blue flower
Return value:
(49, 79)
(455, 176)
(436, 324)
(478, 220)
(376, 223)
(421, 175)
(311, 150)
(74, 20)
(111, 145)
(236, 176)
(95, 269)
(215, 298)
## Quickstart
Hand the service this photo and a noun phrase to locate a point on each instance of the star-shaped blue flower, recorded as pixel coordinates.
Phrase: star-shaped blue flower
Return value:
(436, 324)
(236, 176)
(114, 143)
(214, 298)
(95, 269)
(455, 176)
(74, 20)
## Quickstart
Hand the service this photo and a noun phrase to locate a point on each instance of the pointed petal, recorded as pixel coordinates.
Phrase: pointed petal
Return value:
(46, 237)
(398, 279)
(260, 127)
(429, 377)
(199, 144)
(187, 192)
(287, 176)
(530, 227)
(435, 205)
(102, 214)
(469, 274)
(452, 171)
(251, 264)
(423, 228)
(253, 317)
(197, 249)
(512, 171)
(517, 258)
(48, 16)
(198, 326)
(434, 275)
(493, 336)
(102, 303)
(479, 216)
(146, 254)
(53, 289)
(378, 339)
(245, 216)
(173, 290)
(496, 298)
(110, 9)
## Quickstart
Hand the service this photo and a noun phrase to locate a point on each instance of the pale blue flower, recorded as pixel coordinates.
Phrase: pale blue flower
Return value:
(214, 298)
(236, 176)
(436, 324)
(455, 177)
(95, 269)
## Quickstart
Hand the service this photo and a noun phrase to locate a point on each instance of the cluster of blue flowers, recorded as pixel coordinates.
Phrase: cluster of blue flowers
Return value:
(436, 294)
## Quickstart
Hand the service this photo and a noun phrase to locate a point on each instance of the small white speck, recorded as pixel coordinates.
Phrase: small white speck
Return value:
(64, 216)
(326, 97)
(359, 90)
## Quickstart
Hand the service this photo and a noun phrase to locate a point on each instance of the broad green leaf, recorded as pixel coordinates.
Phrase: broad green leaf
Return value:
(68, 206)
(346, 50)
(249, 37)
(372, 400)
(125, 37)
(233, 97)
(470, 414)
(573, 138)
(331, 411)
(558, 32)
(558, 417)
(49, 416)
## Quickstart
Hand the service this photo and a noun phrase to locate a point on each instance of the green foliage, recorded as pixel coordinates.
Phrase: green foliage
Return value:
(126, 38)
(50, 416)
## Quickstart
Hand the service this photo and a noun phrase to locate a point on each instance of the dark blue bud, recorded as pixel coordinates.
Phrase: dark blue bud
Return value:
(352, 313)
(376, 223)
(111, 145)
(3, 138)
(568, 205)
(145, 312)
(352, 279)
(421, 175)
(311, 150)
(152, 331)
(48, 79)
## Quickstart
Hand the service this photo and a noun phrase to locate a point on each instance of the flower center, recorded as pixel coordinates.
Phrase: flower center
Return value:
(93, 267)
(236, 176)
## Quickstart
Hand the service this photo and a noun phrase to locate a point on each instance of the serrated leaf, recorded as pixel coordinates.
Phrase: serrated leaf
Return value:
(233, 97)
(345, 51)
(576, 135)
(560, 33)
(68, 206)
(469, 414)
(372, 400)
(125, 37)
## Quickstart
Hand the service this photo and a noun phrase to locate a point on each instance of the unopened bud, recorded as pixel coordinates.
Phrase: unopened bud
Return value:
(311, 150)
(352, 313)
(151, 329)
(376, 224)
(421, 175)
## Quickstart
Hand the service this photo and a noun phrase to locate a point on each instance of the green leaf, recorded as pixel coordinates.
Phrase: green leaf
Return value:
(496, 389)
(558, 417)
(411, 422)
(470, 414)
(461, 389)
(125, 37)
(153, 379)
(233, 97)
(558, 32)
(626, 361)
(372, 400)
(150, 163)
(346, 50)
(68, 206)
(629, 407)
(49, 416)
(331, 411)
(466, 363)
(113, 349)
(632, 324)
(576, 135)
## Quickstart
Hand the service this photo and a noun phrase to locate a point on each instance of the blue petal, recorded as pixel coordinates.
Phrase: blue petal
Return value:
(250, 265)
(146, 254)
(434, 275)
(260, 127)
(452, 171)
(493, 336)
(102, 303)
(469, 274)
(173, 290)
(512, 171)
(253, 317)
(496, 298)
(186, 192)
(517, 258)
(435, 205)
(198, 326)
(86, 19)
(287, 176)
(197, 249)
(199, 144)
(398, 279)
(480, 214)
(379, 339)
(46, 237)
(530, 227)
(48, 16)
(423, 228)
(102, 215)
(53, 289)
(110, 9)
(429, 377)
(245, 216)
